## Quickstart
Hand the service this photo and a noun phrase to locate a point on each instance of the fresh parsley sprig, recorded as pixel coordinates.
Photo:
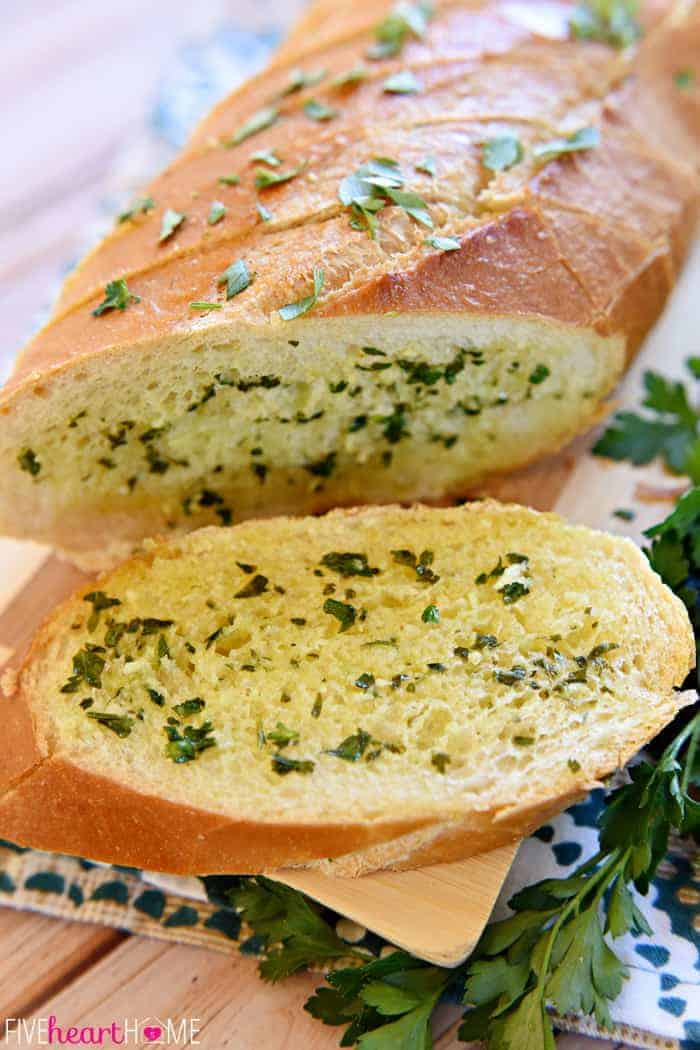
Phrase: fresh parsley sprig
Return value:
(292, 929)
(552, 953)
(670, 430)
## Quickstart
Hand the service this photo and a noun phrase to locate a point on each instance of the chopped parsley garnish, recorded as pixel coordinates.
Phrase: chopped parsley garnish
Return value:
(217, 211)
(427, 165)
(669, 431)
(344, 613)
(119, 724)
(353, 747)
(282, 765)
(421, 565)
(282, 735)
(236, 277)
(351, 78)
(117, 297)
(266, 156)
(299, 79)
(512, 677)
(441, 761)
(523, 741)
(431, 614)
(256, 586)
(189, 707)
(403, 21)
(513, 591)
(365, 681)
(172, 221)
(574, 766)
(99, 601)
(88, 665)
(264, 118)
(349, 563)
(322, 468)
(141, 206)
(157, 698)
(624, 514)
(501, 153)
(583, 139)
(264, 178)
(319, 110)
(608, 21)
(302, 306)
(403, 83)
(374, 186)
(187, 745)
(444, 244)
(29, 462)
(230, 180)
(684, 79)
(203, 305)
(538, 375)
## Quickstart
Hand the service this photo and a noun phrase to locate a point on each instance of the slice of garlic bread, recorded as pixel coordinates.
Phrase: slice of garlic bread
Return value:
(385, 686)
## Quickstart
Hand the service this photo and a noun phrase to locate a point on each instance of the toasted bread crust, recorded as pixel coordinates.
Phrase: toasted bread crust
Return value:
(633, 199)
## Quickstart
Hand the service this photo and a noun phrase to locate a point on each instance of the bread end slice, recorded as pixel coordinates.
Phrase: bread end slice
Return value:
(377, 688)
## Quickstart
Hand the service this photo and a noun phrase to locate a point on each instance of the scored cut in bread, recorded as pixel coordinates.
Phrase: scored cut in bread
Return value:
(536, 194)
(376, 688)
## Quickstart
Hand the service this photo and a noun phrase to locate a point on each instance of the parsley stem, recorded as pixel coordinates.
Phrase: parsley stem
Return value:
(692, 730)
(602, 876)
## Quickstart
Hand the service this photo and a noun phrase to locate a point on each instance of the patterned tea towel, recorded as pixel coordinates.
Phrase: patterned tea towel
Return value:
(660, 1003)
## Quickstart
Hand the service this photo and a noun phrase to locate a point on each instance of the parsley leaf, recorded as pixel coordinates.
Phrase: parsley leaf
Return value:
(119, 724)
(444, 244)
(283, 917)
(319, 110)
(29, 461)
(427, 165)
(501, 153)
(141, 206)
(583, 139)
(299, 79)
(348, 563)
(405, 20)
(353, 747)
(236, 277)
(402, 83)
(372, 187)
(608, 21)
(351, 78)
(265, 178)
(344, 613)
(302, 306)
(172, 221)
(671, 432)
(684, 79)
(264, 118)
(217, 211)
(117, 297)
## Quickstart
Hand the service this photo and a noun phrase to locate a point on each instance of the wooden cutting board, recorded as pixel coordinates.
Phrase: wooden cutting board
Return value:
(436, 913)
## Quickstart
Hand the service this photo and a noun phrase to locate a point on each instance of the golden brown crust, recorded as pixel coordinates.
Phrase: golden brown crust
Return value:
(61, 807)
(634, 198)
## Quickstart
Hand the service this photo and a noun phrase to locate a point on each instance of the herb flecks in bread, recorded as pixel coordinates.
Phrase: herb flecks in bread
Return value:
(357, 669)
(528, 207)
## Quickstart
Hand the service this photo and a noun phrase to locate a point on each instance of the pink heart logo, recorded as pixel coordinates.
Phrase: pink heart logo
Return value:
(151, 1032)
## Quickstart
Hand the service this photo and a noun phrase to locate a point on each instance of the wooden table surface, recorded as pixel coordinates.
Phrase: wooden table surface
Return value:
(75, 80)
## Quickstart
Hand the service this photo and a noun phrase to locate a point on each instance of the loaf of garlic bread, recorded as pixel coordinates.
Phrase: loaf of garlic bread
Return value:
(374, 688)
(413, 253)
